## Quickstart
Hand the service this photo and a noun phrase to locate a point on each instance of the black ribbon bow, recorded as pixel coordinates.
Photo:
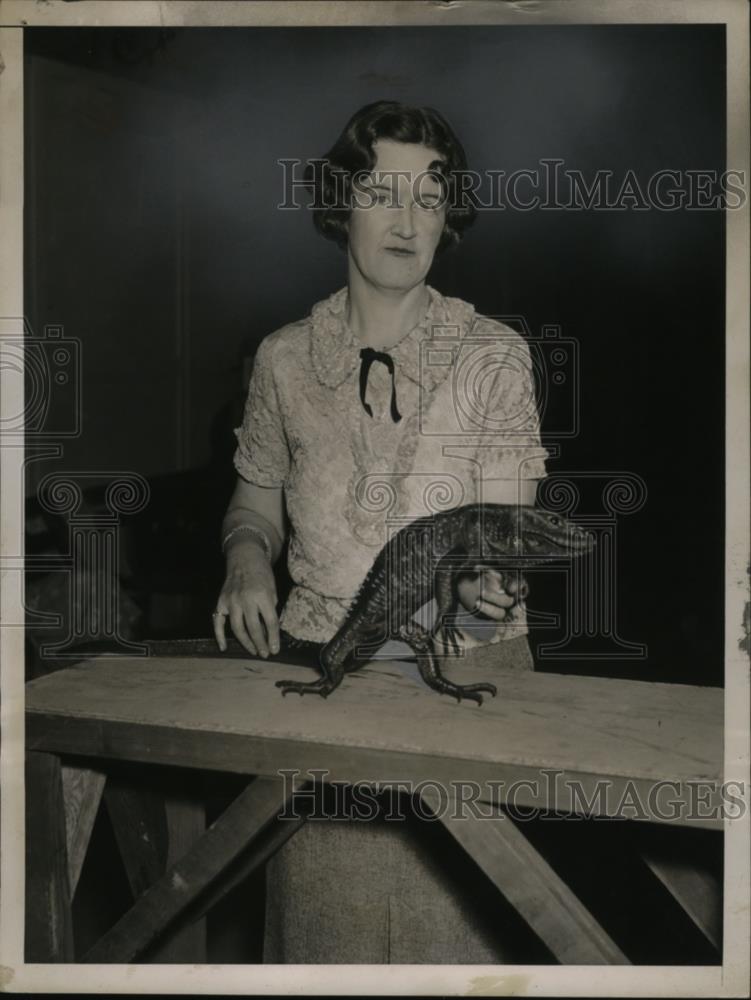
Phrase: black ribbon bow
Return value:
(368, 356)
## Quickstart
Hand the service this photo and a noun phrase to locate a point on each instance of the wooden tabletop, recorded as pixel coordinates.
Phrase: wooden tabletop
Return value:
(384, 724)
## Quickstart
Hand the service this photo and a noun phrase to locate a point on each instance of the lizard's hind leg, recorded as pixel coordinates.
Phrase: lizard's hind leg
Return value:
(331, 678)
(420, 641)
(445, 631)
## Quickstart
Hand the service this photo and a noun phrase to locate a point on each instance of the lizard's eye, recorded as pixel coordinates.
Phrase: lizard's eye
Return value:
(555, 521)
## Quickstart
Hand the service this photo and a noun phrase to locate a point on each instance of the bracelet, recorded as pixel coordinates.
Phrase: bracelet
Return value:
(261, 535)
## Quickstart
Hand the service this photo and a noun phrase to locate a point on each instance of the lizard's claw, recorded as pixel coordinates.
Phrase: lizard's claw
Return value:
(472, 692)
(469, 697)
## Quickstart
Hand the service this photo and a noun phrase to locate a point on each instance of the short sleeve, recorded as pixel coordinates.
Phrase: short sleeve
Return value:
(510, 447)
(262, 455)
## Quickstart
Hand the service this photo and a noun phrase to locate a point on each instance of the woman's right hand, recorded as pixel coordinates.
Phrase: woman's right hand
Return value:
(248, 598)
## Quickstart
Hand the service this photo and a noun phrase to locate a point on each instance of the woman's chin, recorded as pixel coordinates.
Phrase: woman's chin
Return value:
(399, 277)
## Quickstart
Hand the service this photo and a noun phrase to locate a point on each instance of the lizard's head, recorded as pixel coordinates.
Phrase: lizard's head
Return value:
(545, 533)
(528, 531)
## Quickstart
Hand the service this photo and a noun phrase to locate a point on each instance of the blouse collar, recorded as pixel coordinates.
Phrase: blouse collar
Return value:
(335, 351)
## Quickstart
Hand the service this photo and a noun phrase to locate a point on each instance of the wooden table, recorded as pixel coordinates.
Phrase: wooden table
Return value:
(565, 743)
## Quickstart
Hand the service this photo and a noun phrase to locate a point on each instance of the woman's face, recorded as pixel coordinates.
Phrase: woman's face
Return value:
(397, 218)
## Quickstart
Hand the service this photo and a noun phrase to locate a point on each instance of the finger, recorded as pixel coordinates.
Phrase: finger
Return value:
(496, 595)
(517, 586)
(493, 580)
(271, 621)
(495, 611)
(238, 627)
(497, 600)
(257, 632)
(221, 640)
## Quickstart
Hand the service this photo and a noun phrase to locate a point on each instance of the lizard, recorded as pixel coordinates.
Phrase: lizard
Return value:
(421, 560)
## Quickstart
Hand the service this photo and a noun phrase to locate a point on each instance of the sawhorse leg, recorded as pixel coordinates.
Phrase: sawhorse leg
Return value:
(153, 834)
(533, 888)
(153, 831)
(246, 834)
(82, 793)
(694, 889)
(48, 925)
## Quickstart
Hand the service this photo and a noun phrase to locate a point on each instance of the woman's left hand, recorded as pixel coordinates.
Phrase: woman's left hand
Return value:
(490, 594)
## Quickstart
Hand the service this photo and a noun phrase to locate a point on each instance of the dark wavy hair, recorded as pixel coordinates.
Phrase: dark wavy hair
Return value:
(330, 177)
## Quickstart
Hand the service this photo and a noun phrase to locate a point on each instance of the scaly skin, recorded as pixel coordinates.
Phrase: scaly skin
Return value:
(420, 561)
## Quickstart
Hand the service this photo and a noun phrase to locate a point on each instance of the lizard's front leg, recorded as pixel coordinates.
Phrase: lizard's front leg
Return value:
(420, 640)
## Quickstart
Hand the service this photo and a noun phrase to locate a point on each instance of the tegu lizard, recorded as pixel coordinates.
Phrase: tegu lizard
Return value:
(421, 561)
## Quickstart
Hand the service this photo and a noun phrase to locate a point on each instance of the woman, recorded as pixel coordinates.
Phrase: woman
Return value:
(388, 402)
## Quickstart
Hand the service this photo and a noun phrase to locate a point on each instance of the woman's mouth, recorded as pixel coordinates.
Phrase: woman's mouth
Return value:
(400, 251)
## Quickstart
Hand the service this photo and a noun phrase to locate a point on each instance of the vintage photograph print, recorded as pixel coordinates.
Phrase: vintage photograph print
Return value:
(374, 443)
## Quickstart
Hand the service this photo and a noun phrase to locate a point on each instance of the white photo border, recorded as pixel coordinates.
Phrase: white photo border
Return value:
(729, 980)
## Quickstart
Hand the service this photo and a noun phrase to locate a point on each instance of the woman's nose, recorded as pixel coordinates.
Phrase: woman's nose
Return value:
(404, 224)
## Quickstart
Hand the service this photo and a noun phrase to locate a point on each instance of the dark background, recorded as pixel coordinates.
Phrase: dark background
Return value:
(153, 237)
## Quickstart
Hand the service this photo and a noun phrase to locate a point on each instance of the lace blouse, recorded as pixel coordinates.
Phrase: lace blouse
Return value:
(465, 391)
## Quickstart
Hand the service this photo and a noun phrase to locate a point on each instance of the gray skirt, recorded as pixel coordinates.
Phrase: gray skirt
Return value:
(389, 890)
